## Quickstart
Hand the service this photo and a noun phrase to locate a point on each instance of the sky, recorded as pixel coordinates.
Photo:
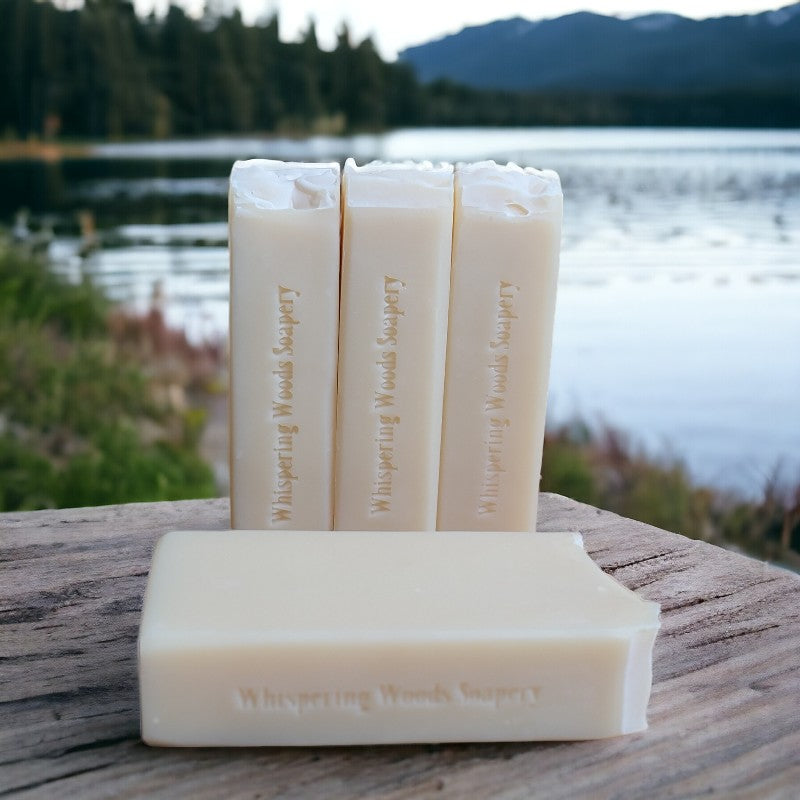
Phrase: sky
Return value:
(396, 25)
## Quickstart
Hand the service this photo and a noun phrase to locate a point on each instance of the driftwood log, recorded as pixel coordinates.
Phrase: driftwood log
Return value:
(724, 714)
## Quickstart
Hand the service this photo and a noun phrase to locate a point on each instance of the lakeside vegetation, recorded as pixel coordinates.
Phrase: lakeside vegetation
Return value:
(96, 407)
(89, 414)
(606, 469)
(101, 72)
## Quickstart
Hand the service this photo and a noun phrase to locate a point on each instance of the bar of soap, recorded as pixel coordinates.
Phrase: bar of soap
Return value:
(506, 241)
(284, 250)
(397, 232)
(265, 638)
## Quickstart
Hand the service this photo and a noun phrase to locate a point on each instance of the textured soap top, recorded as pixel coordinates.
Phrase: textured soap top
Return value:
(260, 184)
(509, 190)
(386, 583)
(405, 184)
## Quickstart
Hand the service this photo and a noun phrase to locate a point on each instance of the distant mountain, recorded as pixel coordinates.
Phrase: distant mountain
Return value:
(584, 51)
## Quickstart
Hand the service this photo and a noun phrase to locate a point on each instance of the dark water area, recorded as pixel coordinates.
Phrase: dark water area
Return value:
(116, 191)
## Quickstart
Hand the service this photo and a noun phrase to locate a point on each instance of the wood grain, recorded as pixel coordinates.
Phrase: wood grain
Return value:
(724, 715)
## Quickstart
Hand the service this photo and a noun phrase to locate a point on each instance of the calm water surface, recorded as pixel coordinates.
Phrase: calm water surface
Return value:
(678, 315)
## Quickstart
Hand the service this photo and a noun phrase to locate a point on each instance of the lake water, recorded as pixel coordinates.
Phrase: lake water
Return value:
(678, 315)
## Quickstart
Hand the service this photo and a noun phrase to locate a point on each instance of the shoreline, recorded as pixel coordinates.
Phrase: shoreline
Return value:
(34, 150)
(284, 144)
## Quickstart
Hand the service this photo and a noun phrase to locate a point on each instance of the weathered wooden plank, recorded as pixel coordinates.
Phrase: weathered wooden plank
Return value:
(724, 716)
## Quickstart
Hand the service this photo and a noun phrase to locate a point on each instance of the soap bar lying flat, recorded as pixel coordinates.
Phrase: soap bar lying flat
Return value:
(506, 240)
(268, 638)
(284, 244)
(397, 231)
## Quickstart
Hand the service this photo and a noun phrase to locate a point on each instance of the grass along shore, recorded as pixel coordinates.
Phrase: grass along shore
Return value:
(606, 469)
(95, 404)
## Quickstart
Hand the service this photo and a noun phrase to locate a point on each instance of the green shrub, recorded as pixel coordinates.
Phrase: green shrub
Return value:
(602, 468)
(566, 470)
(119, 468)
(79, 424)
(31, 291)
(26, 477)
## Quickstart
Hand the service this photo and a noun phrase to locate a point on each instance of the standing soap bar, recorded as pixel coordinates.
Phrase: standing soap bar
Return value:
(395, 284)
(506, 243)
(284, 247)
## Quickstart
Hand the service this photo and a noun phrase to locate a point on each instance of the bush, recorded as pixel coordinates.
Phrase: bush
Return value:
(79, 420)
(603, 468)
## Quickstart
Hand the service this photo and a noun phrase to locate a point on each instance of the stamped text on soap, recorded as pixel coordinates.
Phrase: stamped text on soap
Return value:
(385, 389)
(283, 406)
(386, 696)
(497, 422)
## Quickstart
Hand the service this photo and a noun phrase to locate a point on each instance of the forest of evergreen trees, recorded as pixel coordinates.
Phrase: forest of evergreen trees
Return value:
(102, 72)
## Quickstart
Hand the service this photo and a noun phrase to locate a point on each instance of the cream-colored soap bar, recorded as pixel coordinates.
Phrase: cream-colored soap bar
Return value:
(506, 242)
(284, 249)
(396, 244)
(265, 638)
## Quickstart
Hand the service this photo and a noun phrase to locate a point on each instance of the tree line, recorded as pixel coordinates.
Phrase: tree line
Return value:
(103, 72)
